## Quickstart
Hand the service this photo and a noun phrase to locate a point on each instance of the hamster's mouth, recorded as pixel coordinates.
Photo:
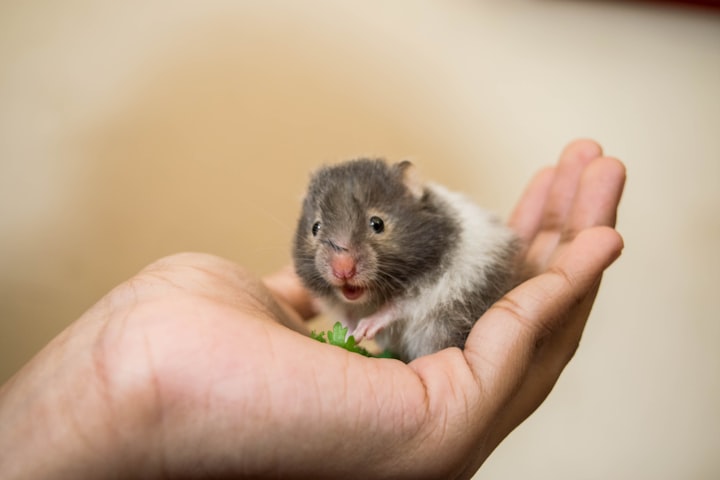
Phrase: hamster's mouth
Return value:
(351, 292)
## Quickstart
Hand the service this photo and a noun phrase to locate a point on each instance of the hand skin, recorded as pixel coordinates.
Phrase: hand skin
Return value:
(195, 369)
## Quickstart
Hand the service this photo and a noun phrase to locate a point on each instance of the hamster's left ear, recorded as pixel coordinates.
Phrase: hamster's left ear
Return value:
(410, 177)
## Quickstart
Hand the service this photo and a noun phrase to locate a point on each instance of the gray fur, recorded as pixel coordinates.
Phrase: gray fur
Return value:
(417, 266)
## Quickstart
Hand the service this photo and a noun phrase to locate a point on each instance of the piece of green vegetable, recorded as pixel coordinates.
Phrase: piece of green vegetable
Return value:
(338, 336)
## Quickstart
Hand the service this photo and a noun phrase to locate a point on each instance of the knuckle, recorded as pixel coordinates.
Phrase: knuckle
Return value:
(516, 312)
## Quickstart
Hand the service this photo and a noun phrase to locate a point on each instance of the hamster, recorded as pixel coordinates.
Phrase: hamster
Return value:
(408, 263)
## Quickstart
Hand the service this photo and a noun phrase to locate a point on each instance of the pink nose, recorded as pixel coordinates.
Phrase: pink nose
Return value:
(343, 266)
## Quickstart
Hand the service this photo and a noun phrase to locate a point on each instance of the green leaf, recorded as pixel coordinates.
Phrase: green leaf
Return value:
(320, 337)
(338, 337)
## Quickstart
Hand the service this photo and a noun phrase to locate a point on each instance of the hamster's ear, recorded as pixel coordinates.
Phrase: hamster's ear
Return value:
(411, 178)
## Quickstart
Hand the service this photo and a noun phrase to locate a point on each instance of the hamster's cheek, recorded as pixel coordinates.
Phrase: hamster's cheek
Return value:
(322, 265)
(368, 263)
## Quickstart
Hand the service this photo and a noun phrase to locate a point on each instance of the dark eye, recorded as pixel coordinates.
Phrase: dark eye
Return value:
(377, 224)
(315, 228)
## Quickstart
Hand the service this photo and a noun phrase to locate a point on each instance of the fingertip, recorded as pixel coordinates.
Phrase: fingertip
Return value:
(615, 168)
(585, 148)
(609, 164)
(613, 238)
(602, 241)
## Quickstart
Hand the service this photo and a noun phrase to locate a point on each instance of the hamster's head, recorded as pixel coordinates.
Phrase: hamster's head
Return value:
(369, 231)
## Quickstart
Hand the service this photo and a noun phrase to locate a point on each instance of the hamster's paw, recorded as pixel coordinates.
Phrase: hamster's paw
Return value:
(366, 328)
(370, 326)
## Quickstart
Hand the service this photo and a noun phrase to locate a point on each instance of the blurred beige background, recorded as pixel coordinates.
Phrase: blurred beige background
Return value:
(132, 130)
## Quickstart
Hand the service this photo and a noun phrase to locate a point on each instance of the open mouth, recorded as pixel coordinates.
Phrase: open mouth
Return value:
(351, 292)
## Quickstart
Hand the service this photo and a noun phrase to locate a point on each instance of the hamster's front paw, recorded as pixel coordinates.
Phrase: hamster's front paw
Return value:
(370, 326)
(366, 328)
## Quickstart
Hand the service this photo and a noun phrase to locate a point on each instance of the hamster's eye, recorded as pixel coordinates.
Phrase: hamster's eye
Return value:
(315, 228)
(377, 224)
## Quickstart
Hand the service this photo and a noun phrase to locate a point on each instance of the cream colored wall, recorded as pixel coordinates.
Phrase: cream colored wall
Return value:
(131, 130)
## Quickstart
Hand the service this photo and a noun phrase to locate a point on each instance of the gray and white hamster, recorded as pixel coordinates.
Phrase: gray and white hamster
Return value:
(408, 263)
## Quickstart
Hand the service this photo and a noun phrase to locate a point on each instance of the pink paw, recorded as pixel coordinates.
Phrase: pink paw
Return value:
(367, 328)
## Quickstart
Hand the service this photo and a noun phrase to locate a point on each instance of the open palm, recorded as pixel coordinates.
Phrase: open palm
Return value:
(193, 368)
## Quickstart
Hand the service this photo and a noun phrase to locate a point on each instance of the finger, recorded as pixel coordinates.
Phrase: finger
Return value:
(560, 198)
(286, 287)
(527, 216)
(598, 197)
(573, 161)
(503, 343)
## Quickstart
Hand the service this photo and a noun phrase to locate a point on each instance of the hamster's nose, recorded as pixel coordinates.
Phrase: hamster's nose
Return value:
(343, 266)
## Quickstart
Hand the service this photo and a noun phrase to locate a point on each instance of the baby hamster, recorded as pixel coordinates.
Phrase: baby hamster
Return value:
(409, 263)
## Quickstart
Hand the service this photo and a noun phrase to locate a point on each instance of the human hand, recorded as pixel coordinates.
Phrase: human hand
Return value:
(193, 368)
